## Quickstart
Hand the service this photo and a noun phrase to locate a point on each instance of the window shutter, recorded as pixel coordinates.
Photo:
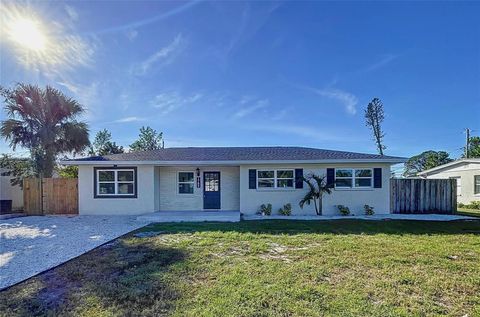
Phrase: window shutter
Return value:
(299, 178)
(252, 179)
(330, 177)
(377, 178)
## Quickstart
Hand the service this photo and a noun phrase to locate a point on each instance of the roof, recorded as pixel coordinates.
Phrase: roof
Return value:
(449, 165)
(234, 155)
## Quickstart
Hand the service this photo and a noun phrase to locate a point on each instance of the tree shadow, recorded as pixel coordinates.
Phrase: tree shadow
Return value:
(124, 278)
(340, 227)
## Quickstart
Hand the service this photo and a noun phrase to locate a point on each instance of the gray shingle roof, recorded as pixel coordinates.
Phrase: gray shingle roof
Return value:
(239, 154)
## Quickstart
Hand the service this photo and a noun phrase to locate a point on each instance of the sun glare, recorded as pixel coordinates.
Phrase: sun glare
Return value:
(27, 33)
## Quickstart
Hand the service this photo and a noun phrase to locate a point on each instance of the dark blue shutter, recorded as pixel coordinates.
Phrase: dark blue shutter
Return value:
(377, 178)
(299, 178)
(330, 177)
(252, 179)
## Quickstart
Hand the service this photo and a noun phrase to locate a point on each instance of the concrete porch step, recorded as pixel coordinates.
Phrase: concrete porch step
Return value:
(191, 216)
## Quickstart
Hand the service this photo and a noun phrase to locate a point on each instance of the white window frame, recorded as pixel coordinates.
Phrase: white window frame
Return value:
(275, 179)
(353, 178)
(475, 194)
(115, 181)
(189, 182)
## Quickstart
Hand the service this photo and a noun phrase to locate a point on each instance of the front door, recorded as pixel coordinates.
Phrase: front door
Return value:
(211, 190)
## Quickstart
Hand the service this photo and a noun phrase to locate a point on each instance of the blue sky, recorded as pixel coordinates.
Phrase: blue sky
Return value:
(260, 73)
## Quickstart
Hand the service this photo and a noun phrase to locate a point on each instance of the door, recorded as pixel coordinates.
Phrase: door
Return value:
(211, 190)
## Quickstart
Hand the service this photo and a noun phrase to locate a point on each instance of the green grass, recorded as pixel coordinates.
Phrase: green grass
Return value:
(469, 212)
(267, 268)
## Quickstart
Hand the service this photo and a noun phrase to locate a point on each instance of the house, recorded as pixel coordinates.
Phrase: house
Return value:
(11, 196)
(467, 174)
(229, 178)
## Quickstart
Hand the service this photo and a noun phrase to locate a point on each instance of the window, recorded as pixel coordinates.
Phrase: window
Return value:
(115, 182)
(275, 179)
(476, 184)
(186, 182)
(353, 178)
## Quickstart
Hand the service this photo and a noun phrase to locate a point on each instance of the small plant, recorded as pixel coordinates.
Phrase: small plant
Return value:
(368, 210)
(344, 210)
(286, 210)
(461, 205)
(266, 210)
(474, 205)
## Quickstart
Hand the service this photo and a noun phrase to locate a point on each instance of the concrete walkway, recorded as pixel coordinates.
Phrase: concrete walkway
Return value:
(420, 217)
(30, 245)
(191, 216)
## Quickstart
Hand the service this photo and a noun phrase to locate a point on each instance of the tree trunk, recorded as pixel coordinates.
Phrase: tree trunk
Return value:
(320, 205)
(48, 164)
(315, 204)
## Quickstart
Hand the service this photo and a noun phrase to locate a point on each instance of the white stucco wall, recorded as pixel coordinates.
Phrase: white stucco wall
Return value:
(170, 199)
(466, 172)
(144, 203)
(9, 192)
(355, 199)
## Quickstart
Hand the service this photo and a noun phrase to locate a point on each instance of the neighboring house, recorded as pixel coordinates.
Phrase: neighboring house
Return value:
(9, 193)
(467, 174)
(229, 178)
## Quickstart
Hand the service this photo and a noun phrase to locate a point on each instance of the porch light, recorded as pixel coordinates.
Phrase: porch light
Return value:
(198, 172)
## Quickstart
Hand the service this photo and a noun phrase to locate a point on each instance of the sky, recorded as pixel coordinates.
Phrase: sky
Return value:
(257, 73)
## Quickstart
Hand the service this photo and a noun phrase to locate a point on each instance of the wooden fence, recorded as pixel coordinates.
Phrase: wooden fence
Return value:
(50, 196)
(419, 196)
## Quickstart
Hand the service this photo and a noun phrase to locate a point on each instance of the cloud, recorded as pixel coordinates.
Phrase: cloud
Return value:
(246, 110)
(348, 100)
(169, 101)
(129, 119)
(87, 95)
(386, 59)
(72, 13)
(164, 56)
(131, 34)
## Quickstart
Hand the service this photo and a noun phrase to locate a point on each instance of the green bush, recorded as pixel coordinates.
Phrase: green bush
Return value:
(368, 210)
(266, 210)
(286, 210)
(473, 205)
(344, 210)
(460, 205)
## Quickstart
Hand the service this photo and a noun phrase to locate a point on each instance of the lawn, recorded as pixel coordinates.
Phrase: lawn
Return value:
(267, 268)
(469, 212)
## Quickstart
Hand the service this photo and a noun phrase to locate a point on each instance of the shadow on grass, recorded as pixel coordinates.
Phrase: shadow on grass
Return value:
(120, 278)
(346, 226)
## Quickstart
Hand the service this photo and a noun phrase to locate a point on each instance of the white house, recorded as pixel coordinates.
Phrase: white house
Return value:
(9, 195)
(467, 174)
(229, 178)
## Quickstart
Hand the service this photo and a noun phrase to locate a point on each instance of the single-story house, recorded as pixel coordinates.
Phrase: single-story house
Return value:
(230, 179)
(467, 174)
(11, 197)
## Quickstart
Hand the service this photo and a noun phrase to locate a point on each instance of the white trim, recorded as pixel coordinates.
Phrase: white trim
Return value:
(115, 182)
(275, 179)
(179, 182)
(353, 178)
(233, 163)
(460, 161)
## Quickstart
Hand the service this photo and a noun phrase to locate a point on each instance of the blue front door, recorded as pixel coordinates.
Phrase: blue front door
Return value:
(211, 190)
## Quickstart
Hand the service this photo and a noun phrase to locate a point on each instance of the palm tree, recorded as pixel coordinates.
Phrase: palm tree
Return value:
(318, 187)
(45, 122)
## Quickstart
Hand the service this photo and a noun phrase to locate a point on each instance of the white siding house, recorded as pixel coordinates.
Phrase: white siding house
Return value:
(233, 179)
(467, 174)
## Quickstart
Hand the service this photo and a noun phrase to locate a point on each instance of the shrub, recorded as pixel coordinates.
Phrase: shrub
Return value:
(344, 210)
(474, 205)
(286, 210)
(461, 205)
(266, 210)
(368, 210)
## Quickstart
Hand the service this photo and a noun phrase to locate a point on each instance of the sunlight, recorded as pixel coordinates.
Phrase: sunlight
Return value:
(27, 33)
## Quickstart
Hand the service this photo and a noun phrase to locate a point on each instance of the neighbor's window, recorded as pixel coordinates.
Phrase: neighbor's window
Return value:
(186, 182)
(477, 184)
(275, 179)
(353, 178)
(115, 182)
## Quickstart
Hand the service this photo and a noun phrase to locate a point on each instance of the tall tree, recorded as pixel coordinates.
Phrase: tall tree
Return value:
(374, 117)
(425, 161)
(45, 122)
(473, 147)
(103, 145)
(149, 139)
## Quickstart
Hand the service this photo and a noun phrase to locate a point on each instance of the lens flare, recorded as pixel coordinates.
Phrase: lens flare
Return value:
(27, 33)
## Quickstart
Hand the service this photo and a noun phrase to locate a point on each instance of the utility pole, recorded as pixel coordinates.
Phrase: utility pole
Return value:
(467, 131)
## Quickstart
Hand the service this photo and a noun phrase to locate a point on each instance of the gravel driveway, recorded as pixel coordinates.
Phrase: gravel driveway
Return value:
(30, 245)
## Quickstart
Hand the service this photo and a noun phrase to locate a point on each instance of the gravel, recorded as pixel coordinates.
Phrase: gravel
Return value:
(31, 245)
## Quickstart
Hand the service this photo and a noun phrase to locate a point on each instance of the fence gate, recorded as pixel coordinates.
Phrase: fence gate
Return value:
(421, 196)
(50, 196)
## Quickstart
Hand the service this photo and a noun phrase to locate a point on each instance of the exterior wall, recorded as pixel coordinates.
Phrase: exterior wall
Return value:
(144, 203)
(466, 172)
(171, 200)
(355, 199)
(9, 192)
